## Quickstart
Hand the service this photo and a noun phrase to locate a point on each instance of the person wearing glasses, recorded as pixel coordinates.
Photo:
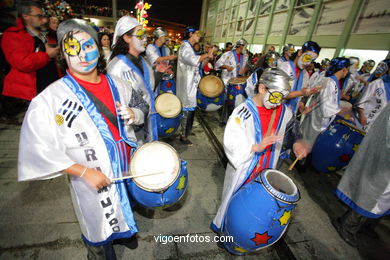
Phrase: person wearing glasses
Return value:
(30, 57)
(127, 63)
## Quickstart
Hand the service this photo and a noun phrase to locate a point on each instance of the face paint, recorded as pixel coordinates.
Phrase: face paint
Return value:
(272, 99)
(81, 51)
(306, 58)
(291, 52)
(271, 63)
(381, 68)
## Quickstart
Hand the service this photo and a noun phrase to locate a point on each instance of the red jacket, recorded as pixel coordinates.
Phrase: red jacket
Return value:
(18, 47)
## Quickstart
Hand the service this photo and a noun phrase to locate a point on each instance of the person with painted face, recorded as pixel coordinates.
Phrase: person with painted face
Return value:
(375, 96)
(82, 126)
(350, 84)
(366, 69)
(325, 104)
(127, 63)
(187, 79)
(157, 51)
(255, 134)
(270, 61)
(288, 51)
(296, 69)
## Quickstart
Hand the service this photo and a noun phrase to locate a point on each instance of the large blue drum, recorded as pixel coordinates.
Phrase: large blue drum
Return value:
(169, 110)
(260, 211)
(167, 85)
(236, 91)
(335, 146)
(211, 93)
(166, 179)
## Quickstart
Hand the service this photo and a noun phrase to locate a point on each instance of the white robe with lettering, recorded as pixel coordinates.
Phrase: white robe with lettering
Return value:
(239, 136)
(373, 100)
(58, 132)
(187, 77)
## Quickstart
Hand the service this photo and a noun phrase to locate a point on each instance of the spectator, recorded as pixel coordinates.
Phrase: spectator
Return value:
(29, 55)
(105, 42)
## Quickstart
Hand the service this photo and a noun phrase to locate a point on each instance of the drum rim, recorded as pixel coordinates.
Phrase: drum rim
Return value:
(216, 95)
(170, 184)
(178, 113)
(290, 199)
(235, 83)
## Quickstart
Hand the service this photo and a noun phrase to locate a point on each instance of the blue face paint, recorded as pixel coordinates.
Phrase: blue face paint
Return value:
(91, 66)
(91, 55)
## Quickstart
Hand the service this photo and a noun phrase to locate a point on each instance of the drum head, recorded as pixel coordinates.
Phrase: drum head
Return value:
(211, 86)
(238, 80)
(168, 105)
(155, 157)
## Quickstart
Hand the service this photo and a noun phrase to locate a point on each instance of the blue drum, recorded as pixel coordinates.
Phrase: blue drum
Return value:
(210, 96)
(236, 91)
(168, 108)
(159, 177)
(259, 212)
(167, 85)
(335, 146)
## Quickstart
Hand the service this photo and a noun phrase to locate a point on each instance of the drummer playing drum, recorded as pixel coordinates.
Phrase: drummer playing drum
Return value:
(255, 134)
(233, 64)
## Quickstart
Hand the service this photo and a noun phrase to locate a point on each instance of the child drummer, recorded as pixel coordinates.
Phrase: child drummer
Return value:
(255, 134)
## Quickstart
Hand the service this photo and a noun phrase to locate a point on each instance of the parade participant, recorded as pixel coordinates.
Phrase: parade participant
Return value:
(326, 103)
(127, 63)
(351, 82)
(317, 77)
(365, 184)
(157, 51)
(270, 61)
(74, 127)
(188, 77)
(288, 51)
(295, 68)
(255, 134)
(365, 70)
(233, 64)
(375, 96)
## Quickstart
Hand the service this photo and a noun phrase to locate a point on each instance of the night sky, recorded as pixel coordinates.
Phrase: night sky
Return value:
(180, 11)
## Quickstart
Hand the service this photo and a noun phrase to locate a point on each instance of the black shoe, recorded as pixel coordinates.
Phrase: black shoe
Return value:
(345, 235)
(185, 141)
(131, 243)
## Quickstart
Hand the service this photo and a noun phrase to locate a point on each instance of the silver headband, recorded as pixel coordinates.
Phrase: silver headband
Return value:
(276, 79)
(159, 32)
(241, 42)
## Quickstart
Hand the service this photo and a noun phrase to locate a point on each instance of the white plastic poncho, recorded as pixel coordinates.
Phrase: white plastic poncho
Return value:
(153, 53)
(365, 185)
(63, 127)
(326, 106)
(188, 76)
(241, 132)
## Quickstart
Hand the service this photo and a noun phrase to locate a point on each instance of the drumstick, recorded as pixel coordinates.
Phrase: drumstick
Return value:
(136, 176)
(296, 160)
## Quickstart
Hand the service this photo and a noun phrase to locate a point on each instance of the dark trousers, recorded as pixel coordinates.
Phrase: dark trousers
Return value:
(186, 122)
(104, 252)
(351, 222)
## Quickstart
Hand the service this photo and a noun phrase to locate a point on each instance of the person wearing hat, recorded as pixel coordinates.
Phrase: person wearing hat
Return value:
(82, 126)
(375, 96)
(326, 103)
(270, 61)
(157, 51)
(127, 63)
(288, 51)
(255, 134)
(366, 69)
(296, 69)
(187, 79)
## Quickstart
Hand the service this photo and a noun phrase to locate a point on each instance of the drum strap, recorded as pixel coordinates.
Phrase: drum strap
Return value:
(103, 109)
(271, 122)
